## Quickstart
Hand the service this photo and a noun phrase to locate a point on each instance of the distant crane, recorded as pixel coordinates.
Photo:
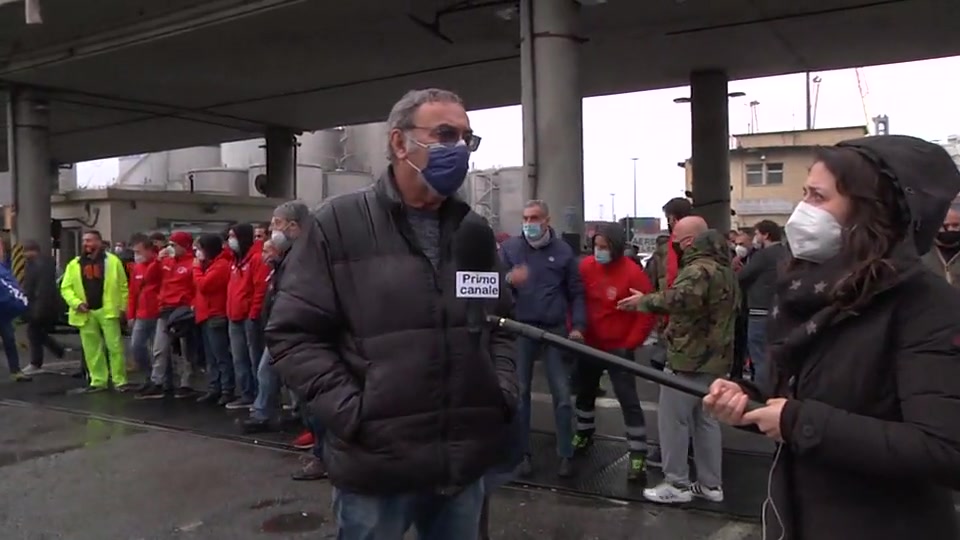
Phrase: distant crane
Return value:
(864, 92)
(881, 123)
(813, 98)
(754, 120)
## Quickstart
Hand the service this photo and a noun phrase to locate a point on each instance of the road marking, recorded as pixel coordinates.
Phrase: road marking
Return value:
(734, 531)
(602, 403)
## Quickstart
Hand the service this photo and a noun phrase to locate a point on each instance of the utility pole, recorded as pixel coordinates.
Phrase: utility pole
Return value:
(634, 187)
(613, 207)
(806, 77)
(601, 211)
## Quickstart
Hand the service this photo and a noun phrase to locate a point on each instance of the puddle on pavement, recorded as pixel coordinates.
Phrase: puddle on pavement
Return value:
(270, 503)
(294, 522)
(12, 457)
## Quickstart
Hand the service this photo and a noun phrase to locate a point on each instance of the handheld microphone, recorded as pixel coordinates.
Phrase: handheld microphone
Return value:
(680, 384)
(477, 280)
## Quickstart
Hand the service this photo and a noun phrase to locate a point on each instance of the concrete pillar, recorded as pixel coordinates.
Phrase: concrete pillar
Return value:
(553, 108)
(281, 163)
(711, 148)
(32, 166)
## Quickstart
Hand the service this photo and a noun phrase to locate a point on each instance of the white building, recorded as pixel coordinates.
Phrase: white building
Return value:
(952, 145)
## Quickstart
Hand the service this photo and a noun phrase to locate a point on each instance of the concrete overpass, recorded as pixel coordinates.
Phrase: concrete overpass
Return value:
(138, 75)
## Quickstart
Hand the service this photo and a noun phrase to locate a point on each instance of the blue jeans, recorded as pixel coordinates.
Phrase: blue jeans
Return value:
(246, 345)
(558, 377)
(435, 517)
(757, 349)
(9, 338)
(216, 349)
(503, 473)
(318, 431)
(143, 332)
(267, 404)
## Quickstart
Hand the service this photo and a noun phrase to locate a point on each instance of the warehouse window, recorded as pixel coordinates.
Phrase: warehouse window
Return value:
(755, 174)
(774, 174)
(764, 174)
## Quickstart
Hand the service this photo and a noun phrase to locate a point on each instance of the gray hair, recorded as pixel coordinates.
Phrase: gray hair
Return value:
(539, 203)
(293, 211)
(403, 111)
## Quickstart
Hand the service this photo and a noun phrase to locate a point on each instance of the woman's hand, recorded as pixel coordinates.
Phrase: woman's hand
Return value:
(726, 402)
(767, 419)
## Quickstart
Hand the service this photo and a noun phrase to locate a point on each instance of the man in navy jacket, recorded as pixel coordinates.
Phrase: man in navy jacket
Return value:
(548, 291)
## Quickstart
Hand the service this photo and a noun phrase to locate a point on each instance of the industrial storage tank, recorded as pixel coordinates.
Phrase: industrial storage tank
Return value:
(322, 148)
(218, 181)
(343, 182)
(184, 160)
(311, 182)
(242, 154)
(514, 191)
(365, 148)
(166, 170)
(499, 195)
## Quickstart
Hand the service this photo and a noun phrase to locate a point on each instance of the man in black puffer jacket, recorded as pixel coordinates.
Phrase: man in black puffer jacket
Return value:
(367, 330)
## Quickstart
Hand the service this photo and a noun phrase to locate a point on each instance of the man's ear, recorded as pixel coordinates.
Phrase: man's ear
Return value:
(398, 144)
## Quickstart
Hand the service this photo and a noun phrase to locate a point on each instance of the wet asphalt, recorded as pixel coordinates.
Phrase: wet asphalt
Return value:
(73, 477)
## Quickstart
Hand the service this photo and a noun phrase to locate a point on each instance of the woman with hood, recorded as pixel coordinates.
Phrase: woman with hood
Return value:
(245, 292)
(211, 274)
(864, 348)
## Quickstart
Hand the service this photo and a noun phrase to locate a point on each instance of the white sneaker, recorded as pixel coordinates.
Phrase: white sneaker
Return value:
(667, 493)
(32, 370)
(710, 494)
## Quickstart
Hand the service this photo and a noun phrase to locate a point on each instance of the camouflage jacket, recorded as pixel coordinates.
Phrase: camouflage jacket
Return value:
(702, 305)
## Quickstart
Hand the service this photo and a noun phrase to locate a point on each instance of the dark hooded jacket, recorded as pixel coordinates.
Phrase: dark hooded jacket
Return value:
(702, 304)
(373, 339)
(40, 285)
(872, 419)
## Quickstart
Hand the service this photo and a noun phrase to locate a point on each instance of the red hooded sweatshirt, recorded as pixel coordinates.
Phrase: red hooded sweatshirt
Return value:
(609, 328)
(142, 300)
(177, 288)
(211, 282)
(248, 285)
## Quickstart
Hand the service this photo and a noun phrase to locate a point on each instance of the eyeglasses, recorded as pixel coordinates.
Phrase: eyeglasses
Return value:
(447, 134)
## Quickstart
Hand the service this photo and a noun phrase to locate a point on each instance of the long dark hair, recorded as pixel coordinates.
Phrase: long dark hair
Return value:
(875, 226)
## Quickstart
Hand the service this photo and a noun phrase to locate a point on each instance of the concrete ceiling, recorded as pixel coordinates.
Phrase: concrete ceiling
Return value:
(132, 76)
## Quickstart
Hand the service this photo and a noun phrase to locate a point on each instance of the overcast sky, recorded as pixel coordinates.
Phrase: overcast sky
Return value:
(921, 99)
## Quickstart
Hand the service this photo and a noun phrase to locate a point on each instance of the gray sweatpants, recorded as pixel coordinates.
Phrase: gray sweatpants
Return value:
(681, 417)
(163, 355)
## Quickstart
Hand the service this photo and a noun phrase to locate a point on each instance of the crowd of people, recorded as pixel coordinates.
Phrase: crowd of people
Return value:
(194, 310)
(418, 414)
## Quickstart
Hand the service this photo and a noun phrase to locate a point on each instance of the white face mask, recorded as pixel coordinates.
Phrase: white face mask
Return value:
(813, 234)
(741, 251)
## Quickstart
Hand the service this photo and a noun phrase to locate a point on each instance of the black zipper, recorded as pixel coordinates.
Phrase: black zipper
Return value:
(407, 233)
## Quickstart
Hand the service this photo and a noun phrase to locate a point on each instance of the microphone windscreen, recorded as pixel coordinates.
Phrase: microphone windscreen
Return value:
(475, 246)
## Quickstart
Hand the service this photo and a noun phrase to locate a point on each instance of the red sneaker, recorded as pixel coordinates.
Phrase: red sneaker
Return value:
(304, 441)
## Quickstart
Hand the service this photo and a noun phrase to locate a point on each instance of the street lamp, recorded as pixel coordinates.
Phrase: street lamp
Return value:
(613, 208)
(730, 95)
(634, 187)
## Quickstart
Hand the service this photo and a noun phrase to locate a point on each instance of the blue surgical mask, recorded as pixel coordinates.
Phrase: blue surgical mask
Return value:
(532, 231)
(446, 168)
(602, 255)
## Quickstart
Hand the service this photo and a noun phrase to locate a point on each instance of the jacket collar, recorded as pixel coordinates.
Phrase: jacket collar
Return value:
(386, 190)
